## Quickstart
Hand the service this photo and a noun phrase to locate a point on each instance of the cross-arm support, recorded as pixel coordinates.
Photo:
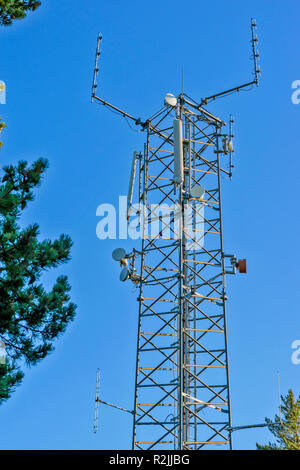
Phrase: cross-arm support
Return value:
(115, 406)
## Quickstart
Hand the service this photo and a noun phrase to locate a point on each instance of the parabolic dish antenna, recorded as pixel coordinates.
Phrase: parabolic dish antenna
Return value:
(118, 254)
(124, 274)
(170, 100)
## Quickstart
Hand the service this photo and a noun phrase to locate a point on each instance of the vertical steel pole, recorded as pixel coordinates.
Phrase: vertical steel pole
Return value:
(142, 168)
(180, 317)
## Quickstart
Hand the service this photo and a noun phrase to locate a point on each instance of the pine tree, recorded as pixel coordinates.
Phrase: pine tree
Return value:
(30, 317)
(11, 10)
(288, 433)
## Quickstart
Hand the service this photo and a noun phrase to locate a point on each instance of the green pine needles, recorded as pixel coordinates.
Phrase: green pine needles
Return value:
(11, 10)
(287, 434)
(30, 317)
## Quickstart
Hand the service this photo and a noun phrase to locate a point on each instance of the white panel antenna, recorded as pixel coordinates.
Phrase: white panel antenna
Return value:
(178, 151)
(131, 182)
(197, 192)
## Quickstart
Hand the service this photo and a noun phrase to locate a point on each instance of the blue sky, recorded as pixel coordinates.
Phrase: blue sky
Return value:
(47, 64)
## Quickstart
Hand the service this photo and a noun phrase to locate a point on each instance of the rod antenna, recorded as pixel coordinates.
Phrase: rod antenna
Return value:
(279, 396)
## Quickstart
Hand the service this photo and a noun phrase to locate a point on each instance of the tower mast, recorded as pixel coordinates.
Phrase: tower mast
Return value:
(182, 356)
(182, 389)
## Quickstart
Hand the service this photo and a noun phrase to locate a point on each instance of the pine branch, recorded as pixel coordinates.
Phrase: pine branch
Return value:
(30, 318)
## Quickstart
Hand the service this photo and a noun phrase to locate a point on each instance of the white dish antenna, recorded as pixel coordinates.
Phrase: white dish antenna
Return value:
(170, 100)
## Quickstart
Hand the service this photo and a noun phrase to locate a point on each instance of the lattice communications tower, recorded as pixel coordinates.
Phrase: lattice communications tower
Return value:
(182, 391)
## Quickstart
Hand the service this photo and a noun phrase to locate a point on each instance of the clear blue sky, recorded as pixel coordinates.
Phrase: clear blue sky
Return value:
(47, 63)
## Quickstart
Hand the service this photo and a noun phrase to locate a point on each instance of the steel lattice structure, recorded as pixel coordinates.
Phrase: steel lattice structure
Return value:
(182, 397)
(182, 390)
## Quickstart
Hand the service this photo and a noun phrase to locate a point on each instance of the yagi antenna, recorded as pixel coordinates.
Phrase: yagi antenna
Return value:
(95, 86)
(204, 101)
(96, 69)
(97, 401)
(255, 53)
(256, 71)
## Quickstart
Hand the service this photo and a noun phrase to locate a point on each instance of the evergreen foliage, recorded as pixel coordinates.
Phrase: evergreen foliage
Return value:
(11, 10)
(287, 434)
(30, 317)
